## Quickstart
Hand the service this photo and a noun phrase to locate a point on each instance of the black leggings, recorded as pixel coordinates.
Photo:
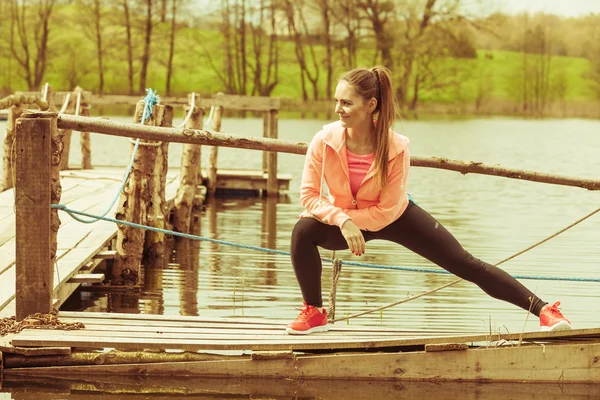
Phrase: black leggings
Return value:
(417, 231)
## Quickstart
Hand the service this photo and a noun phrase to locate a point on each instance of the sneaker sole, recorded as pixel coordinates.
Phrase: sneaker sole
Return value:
(323, 328)
(561, 326)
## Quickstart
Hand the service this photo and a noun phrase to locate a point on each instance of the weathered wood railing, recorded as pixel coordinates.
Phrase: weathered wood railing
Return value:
(206, 137)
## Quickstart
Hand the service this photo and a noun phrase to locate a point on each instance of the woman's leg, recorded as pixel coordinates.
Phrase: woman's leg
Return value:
(420, 232)
(306, 236)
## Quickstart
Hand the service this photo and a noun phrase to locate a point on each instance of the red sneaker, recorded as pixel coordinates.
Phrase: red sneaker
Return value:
(310, 320)
(551, 319)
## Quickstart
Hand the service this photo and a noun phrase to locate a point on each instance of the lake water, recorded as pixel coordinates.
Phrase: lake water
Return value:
(492, 217)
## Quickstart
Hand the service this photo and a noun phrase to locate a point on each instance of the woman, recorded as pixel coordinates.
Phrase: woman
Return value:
(365, 165)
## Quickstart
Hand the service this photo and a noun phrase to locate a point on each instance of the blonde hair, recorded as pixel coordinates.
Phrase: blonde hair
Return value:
(376, 83)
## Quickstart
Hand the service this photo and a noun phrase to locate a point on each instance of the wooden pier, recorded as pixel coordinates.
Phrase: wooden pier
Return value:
(133, 345)
(81, 247)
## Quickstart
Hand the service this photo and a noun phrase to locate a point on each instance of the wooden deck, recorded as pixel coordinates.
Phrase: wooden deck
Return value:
(248, 180)
(261, 349)
(145, 331)
(78, 244)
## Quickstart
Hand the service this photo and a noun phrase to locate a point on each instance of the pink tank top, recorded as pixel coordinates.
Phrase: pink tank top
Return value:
(358, 166)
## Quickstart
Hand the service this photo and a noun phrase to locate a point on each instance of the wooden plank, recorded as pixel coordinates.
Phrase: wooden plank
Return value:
(302, 343)
(116, 323)
(162, 318)
(250, 181)
(446, 347)
(131, 330)
(37, 351)
(558, 363)
(33, 232)
(249, 174)
(243, 322)
(19, 384)
(105, 255)
(233, 336)
(87, 278)
(319, 341)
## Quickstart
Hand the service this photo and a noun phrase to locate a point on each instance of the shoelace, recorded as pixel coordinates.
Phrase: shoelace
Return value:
(554, 310)
(304, 314)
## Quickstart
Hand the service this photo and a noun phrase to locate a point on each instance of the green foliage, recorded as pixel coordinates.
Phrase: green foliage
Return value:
(470, 76)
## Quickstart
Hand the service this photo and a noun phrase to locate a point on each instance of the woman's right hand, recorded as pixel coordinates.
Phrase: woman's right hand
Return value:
(354, 238)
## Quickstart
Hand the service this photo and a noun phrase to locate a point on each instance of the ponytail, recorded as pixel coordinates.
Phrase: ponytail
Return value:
(377, 83)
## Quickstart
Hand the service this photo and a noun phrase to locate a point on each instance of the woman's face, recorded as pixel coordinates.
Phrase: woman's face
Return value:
(353, 110)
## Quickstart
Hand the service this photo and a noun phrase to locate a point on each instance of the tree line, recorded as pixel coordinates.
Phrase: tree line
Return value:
(251, 40)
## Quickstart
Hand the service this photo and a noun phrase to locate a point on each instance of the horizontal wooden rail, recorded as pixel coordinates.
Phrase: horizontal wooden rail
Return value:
(182, 135)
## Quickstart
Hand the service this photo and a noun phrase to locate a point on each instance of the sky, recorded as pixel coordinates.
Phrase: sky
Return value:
(567, 8)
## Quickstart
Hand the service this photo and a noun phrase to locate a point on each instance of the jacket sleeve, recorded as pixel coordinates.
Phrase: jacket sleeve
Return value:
(311, 197)
(392, 199)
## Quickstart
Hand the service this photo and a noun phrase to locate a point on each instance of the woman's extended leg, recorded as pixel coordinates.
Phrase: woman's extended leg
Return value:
(423, 234)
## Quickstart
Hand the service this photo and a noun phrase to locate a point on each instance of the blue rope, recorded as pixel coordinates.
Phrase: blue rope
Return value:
(74, 213)
(151, 100)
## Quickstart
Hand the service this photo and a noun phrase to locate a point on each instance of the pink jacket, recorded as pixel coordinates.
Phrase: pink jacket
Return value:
(372, 209)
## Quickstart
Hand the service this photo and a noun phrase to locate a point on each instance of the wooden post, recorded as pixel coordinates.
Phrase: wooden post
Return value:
(140, 202)
(84, 111)
(266, 122)
(155, 249)
(34, 237)
(211, 170)
(272, 184)
(85, 143)
(14, 112)
(66, 140)
(190, 165)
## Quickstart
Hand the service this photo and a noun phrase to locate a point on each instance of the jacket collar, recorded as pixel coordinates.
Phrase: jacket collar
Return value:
(335, 137)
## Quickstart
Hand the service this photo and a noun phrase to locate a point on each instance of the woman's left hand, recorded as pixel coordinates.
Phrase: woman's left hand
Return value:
(354, 238)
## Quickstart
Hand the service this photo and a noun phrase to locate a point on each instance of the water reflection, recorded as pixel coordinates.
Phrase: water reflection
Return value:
(269, 232)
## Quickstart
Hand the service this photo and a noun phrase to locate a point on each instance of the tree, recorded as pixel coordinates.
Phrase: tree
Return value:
(127, 22)
(592, 75)
(171, 44)
(250, 48)
(264, 82)
(91, 12)
(309, 69)
(346, 14)
(379, 13)
(536, 67)
(416, 21)
(430, 71)
(25, 29)
(233, 29)
(145, 61)
(326, 18)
